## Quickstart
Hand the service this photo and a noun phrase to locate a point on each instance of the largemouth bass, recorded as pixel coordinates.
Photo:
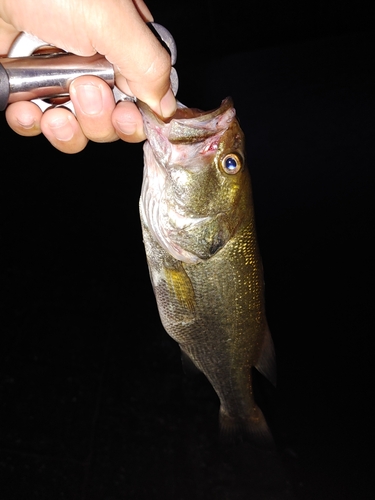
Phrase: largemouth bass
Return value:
(199, 234)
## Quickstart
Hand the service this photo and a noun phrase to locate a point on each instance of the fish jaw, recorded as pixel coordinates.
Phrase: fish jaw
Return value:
(156, 212)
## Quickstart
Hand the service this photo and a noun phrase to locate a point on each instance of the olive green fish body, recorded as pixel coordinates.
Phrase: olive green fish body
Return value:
(199, 234)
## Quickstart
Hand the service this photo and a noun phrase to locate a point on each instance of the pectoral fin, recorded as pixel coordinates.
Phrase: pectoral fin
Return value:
(180, 286)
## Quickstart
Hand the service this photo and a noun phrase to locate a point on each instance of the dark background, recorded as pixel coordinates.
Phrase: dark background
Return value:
(94, 404)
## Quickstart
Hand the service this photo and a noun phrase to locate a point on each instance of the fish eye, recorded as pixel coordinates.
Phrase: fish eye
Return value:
(231, 163)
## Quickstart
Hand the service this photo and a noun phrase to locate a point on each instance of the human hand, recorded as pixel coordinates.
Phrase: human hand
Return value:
(116, 29)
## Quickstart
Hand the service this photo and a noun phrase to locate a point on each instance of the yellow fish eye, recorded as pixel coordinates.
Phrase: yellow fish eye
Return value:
(231, 163)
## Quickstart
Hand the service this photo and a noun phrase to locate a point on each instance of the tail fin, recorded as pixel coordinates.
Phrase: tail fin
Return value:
(253, 429)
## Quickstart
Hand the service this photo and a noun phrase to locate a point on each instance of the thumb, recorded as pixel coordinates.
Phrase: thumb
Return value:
(141, 63)
(7, 35)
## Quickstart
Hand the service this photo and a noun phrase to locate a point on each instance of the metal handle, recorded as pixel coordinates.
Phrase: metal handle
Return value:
(39, 77)
(47, 76)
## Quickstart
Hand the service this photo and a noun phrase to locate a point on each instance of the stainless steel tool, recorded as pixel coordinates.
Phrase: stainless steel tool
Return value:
(45, 77)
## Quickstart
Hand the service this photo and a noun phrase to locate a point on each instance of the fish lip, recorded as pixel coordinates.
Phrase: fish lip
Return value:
(187, 126)
(147, 112)
(184, 114)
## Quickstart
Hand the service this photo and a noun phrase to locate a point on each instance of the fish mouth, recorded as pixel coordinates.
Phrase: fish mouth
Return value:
(183, 112)
(188, 125)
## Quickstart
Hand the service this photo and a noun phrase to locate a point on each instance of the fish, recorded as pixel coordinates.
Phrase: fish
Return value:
(198, 227)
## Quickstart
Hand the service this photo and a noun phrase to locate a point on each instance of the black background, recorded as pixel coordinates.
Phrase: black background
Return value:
(93, 401)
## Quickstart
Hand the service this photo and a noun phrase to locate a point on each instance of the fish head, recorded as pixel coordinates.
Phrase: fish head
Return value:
(196, 187)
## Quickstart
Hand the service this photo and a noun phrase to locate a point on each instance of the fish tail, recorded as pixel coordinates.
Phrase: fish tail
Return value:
(253, 428)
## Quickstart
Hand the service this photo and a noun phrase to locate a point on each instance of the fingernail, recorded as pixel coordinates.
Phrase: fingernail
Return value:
(89, 98)
(62, 129)
(26, 122)
(168, 104)
(127, 127)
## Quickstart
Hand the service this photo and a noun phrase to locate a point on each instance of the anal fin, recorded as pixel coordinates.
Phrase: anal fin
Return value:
(188, 365)
(266, 364)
